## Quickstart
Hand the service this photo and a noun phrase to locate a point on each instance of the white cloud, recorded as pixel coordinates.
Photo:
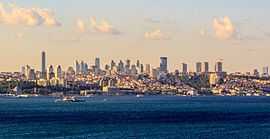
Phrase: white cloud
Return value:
(224, 28)
(81, 25)
(14, 15)
(103, 27)
(156, 35)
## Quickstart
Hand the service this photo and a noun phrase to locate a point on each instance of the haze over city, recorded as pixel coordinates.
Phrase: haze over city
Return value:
(189, 31)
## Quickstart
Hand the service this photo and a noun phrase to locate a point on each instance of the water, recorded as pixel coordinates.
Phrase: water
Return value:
(130, 117)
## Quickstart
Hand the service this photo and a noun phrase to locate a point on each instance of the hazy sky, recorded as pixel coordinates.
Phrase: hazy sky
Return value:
(236, 31)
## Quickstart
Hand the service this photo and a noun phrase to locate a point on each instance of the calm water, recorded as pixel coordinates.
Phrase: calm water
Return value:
(130, 117)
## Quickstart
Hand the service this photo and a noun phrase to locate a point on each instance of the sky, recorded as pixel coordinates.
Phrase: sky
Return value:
(236, 32)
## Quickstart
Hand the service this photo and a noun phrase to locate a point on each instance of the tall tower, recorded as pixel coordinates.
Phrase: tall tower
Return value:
(97, 63)
(206, 67)
(43, 65)
(164, 64)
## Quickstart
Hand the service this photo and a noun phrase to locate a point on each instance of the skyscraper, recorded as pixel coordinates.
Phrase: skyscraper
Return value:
(59, 72)
(141, 68)
(120, 67)
(218, 67)
(206, 67)
(138, 64)
(50, 72)
(82, 67)
(164, 64)
(184, 68)
(128, 66)
(77, 67)
(148, 69)
(198, 67)
(43, 65)
(97, 63)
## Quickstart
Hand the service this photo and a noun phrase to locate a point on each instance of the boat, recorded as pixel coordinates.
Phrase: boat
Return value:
(69, 99)
(139, 95)
(22, 96)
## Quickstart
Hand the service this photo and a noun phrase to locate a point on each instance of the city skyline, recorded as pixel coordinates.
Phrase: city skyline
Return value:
(138, 67)
(184, 31)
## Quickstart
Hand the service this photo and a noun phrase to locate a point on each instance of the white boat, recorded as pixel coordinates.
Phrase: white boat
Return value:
(69, 99)
(22, 96)
(139, 95)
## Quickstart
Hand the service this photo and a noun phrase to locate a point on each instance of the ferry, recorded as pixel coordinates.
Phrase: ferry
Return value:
(22, 96)
(139, 95)
(69, 99)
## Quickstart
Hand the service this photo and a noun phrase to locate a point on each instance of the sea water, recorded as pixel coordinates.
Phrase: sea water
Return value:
(148, 117)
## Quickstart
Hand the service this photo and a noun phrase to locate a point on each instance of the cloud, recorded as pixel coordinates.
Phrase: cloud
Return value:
(224, 28)
(156, 35)
(81, 25)
(103, 27)
(14, 15)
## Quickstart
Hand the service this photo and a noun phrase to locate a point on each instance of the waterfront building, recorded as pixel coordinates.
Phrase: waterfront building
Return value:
(213, 79)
